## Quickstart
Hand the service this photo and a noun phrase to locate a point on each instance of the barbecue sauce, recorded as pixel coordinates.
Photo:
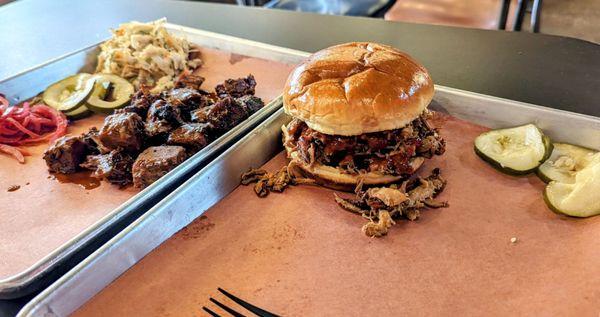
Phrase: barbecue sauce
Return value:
(84, 179)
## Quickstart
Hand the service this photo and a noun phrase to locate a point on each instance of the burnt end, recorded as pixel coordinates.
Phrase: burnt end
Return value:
(236, 87)
(162, 118)
(189, 80)
(186, 100)
(115, 167)
(155, 162)
(122, 130)
(91, 141)
(185, 97)
(186, 118)
(251, 103)
(162, 110)
(140, 102)
(194, 136)
(201, 115)
(223, 115)
(157, 129)
(65, 155)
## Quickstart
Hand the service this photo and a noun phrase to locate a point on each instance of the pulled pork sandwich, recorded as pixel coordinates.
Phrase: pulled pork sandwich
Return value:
(360, 116)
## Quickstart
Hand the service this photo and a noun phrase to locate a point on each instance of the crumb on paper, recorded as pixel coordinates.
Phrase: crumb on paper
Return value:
(196, 229)
(13, 188)
(514, 240)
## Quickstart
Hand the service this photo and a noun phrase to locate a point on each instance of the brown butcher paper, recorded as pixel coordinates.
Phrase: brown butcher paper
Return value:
(44, 214)
(299, 254)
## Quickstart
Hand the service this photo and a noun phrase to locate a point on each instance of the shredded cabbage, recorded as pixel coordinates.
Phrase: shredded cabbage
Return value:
(146, 54)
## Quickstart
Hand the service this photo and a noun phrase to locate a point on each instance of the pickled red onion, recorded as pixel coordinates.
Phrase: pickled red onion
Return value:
(28, 124)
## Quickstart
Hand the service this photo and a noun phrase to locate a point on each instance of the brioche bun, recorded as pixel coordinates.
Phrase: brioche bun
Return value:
(357, 88)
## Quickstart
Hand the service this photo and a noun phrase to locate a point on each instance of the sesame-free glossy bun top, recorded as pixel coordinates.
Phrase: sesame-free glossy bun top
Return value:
(356, 88)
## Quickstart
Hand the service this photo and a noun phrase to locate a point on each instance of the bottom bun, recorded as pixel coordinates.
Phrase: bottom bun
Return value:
(335, 178)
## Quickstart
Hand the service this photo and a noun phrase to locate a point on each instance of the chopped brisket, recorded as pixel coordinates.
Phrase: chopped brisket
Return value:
(162, 118)
(250, 103)
(186, 118)
(65, 155)
(115, 167)
(189, 80)
(236, 87)
(91, 141)
(187, 100)
(122, 131)
(140, 102)
(223, 115)
(155, 162)
(193, 136)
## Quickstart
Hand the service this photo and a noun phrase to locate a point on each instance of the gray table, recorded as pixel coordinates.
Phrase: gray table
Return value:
(547, 70)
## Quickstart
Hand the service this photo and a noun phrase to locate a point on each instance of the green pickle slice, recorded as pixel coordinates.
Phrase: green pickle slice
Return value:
(70, 93)
(564, 163)
(519, 150)
(580, 198)
(110, 92)
(79, 113)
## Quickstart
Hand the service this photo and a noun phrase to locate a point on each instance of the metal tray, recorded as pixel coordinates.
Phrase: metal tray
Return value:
(221, 176)
(26, 84)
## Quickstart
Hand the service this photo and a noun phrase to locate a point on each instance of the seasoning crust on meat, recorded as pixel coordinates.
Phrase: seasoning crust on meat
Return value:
(157, 131)
(155, 162)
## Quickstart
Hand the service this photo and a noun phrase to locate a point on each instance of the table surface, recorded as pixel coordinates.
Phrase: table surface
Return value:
(552, 71)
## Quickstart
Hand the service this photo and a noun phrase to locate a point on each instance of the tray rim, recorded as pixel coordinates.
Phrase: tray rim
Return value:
(46, 294)
(17, 284)
(521, 104)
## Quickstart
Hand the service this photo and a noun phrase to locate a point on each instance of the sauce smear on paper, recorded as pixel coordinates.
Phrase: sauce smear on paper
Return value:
(83, 179)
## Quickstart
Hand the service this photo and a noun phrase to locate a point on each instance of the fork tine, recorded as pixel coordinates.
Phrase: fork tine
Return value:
(210, 312)
(257, 311)
(227, 309)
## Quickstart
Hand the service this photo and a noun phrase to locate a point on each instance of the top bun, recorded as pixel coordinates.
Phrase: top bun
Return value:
(356, 88)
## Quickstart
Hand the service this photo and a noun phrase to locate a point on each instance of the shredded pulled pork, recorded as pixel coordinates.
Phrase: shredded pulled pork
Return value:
(381, 205)
(392, 152)
(379, 228)
(277, 182)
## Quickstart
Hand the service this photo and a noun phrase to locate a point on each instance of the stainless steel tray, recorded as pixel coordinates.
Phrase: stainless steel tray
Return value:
(222, 175)
(26, 84)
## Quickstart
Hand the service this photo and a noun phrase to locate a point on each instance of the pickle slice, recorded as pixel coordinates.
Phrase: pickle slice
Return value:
(79, 113)
(564, 163)
(70, 93)
(110, 92)
(519, 150)
(579, 199)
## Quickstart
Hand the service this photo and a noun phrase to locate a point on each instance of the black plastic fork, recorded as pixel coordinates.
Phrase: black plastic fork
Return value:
(253, 309)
